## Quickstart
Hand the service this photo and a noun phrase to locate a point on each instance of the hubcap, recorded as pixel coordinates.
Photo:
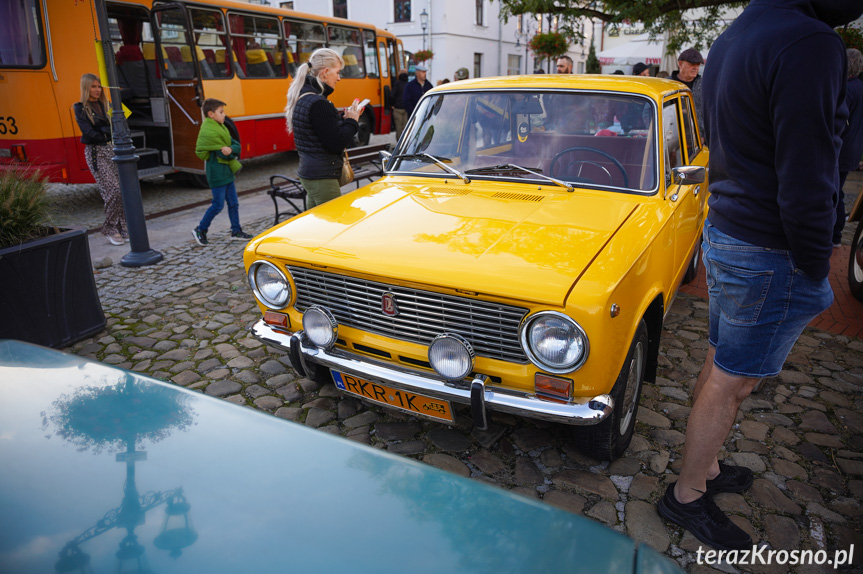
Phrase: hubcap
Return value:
(633, 381)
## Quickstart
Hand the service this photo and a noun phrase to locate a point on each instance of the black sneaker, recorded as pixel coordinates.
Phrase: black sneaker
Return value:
(705, 521)
(240, 235)
(730, 479)
(200, 236)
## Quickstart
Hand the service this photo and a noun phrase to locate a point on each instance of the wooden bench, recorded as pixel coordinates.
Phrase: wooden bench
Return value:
(365, 161)
(290, 190)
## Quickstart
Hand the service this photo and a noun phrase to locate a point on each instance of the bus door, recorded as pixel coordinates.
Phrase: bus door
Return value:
(181, 75)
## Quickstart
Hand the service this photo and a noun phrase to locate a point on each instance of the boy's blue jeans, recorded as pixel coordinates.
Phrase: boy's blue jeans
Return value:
(225, 193)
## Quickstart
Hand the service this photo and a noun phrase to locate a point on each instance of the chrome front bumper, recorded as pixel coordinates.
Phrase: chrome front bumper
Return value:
(582, 411)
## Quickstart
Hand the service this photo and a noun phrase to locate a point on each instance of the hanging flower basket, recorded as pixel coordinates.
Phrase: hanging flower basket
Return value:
(549, 45)
(423, 55)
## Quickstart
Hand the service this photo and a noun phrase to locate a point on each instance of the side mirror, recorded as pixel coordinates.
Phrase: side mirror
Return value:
(688, 174)
(384, 156)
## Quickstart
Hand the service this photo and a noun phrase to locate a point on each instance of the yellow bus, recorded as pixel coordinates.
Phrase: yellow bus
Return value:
(168, 57)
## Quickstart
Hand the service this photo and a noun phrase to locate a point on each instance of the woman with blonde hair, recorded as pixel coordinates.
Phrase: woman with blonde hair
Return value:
(92, 116)
(320, 133)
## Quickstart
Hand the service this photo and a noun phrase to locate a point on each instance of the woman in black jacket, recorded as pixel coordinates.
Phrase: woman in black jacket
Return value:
(320, 134)
(92, 116)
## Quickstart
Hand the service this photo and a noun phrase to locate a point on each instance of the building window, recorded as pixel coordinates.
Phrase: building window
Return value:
(479, 12)
(402, 10)
(286, 5)
(340, 8)
(477, 65)
(513, 65)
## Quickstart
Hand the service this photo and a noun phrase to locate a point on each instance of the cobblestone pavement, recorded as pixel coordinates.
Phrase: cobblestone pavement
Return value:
(184, 321)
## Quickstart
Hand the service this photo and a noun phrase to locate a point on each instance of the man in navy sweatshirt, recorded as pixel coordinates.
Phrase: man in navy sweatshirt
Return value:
(774, 134)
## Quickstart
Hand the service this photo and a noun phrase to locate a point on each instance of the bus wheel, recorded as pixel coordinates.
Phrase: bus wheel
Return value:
(365, 132)
(198, 180)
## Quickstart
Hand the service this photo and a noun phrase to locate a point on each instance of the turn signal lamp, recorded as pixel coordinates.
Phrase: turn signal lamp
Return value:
(19, 153)
(554, 389)
(277, 319)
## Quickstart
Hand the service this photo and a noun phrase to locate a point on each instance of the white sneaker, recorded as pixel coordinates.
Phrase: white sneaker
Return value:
(115, 239)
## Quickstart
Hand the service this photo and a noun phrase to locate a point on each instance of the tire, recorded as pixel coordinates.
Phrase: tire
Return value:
(364, 134)
(198, 180)
(855, 263)
(609, 439)
(694, 264)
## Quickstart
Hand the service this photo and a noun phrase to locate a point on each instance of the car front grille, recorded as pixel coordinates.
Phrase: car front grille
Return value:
(491, 328)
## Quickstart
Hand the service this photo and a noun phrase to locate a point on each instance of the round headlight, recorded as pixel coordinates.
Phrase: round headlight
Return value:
(320, 326)
(554, 342)
(269, 284)
(451, 356)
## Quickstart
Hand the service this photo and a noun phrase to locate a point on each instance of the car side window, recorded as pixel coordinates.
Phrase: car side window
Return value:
(672, 138)
(692, 143)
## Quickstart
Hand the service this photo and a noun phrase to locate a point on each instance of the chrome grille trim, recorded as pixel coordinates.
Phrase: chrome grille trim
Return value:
(491, 328)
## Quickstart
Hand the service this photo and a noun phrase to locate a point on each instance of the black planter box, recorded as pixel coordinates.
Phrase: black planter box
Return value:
(47, 291)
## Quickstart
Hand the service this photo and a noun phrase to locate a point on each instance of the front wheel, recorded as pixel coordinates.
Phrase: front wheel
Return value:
(692, 269)
(855, 264)
(609, 439)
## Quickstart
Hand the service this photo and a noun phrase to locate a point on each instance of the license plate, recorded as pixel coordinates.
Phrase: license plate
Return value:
(402, 400)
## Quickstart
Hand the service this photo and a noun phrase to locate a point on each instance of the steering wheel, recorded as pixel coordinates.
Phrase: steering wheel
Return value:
(608, 156)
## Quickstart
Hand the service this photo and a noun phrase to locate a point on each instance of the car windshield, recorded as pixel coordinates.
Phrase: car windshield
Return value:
(583, 138)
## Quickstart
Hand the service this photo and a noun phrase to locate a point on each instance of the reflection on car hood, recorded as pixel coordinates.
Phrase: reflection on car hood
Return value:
(500, 239)
(94, 456)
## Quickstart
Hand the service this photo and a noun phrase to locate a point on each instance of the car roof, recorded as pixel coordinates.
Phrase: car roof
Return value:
(654, 87)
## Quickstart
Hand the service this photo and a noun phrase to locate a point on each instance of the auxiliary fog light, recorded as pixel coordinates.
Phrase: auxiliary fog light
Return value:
(320, 326)
(451, 356)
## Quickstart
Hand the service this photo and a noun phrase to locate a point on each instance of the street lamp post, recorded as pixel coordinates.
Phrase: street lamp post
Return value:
(424, 21)
(126, 160)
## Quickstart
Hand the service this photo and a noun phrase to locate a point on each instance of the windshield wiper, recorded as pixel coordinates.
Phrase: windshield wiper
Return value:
(512, 166)
(438, 161)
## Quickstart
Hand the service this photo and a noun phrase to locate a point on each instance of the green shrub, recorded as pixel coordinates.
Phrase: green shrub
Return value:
(23, 206)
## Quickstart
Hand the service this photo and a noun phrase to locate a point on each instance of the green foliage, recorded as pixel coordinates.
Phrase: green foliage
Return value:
(549, 45)
(23, 206)
(853, 37)
(423, 55)
(658, 17)
(592, 66)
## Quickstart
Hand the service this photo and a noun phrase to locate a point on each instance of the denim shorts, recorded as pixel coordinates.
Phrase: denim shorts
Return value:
(759, 303)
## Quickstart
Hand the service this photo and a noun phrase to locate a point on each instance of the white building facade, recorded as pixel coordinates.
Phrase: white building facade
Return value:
(461, 33)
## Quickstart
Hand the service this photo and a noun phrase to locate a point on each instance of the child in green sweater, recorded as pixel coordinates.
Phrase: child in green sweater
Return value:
(219, 152)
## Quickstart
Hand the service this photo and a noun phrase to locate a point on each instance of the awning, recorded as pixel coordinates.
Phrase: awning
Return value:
(639, 49)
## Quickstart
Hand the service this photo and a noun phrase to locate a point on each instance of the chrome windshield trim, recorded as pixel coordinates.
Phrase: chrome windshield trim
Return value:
(582, 411)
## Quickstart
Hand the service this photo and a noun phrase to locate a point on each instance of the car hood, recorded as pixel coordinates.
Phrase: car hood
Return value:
(489, 238)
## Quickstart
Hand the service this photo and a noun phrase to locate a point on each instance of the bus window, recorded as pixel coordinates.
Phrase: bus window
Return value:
(347, 42)
(209, 29)
(256, 43)
(385, 59)
(21, 43)
(392, 55)
(371, 54)
(303, 39)
(172, 35)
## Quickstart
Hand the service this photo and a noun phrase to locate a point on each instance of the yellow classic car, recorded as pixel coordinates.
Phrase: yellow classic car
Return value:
(519, 255)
